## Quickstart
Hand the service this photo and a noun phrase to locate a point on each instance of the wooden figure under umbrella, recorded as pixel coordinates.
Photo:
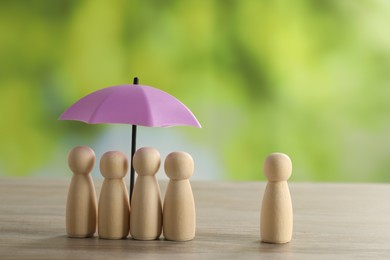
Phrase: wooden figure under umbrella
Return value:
(131, 104)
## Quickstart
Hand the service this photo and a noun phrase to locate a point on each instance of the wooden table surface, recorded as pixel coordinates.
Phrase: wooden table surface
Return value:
(331, 221)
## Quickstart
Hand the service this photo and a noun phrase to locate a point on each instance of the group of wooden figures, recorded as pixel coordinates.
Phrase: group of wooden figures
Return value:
(147, 218)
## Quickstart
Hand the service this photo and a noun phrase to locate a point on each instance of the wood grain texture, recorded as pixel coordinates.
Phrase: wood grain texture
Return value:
(331, 221)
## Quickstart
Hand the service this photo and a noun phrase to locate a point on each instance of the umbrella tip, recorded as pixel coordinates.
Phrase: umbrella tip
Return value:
(135, 81)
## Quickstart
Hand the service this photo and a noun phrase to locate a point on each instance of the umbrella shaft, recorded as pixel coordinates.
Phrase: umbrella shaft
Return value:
(133, 148)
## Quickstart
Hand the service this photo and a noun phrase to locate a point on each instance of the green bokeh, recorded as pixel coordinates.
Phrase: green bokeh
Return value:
(308, 78)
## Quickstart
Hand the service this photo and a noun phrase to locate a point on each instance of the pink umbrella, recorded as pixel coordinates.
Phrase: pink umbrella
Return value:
(131, 104)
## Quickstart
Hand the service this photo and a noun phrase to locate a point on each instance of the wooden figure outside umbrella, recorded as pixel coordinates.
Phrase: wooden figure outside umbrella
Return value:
(131, 104)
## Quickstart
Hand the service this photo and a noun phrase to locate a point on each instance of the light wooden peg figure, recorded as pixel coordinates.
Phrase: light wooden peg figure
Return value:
(146, 206)
(276, 222)
(81, 208)
(179, 218)
(114, 208)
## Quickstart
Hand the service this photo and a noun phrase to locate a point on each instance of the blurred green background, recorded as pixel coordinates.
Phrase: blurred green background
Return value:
(309, 78)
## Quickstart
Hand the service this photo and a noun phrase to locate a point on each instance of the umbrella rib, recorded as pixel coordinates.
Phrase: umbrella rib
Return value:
(150, 114)
(100, 105)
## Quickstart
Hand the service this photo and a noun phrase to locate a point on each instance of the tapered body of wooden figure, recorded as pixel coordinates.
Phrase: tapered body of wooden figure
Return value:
(81, 207)
(276, 224)
(179, 217)
(114, 208)
(146, 206)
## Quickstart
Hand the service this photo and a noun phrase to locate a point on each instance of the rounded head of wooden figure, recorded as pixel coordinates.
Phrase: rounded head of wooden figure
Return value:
(179, 166)
(114, 165)
(277, 167)
(146, 161)
(81, 160)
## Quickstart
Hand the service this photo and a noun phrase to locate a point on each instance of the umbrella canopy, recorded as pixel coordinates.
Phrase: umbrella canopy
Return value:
(131, 104)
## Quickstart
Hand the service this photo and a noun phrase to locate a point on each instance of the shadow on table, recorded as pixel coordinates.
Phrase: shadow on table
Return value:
(64, 246)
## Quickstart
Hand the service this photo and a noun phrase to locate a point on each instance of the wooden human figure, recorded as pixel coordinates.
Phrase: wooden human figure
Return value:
(81, 208)
(114, 208)
(146, 206)
(179, 219)
(276, 223)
